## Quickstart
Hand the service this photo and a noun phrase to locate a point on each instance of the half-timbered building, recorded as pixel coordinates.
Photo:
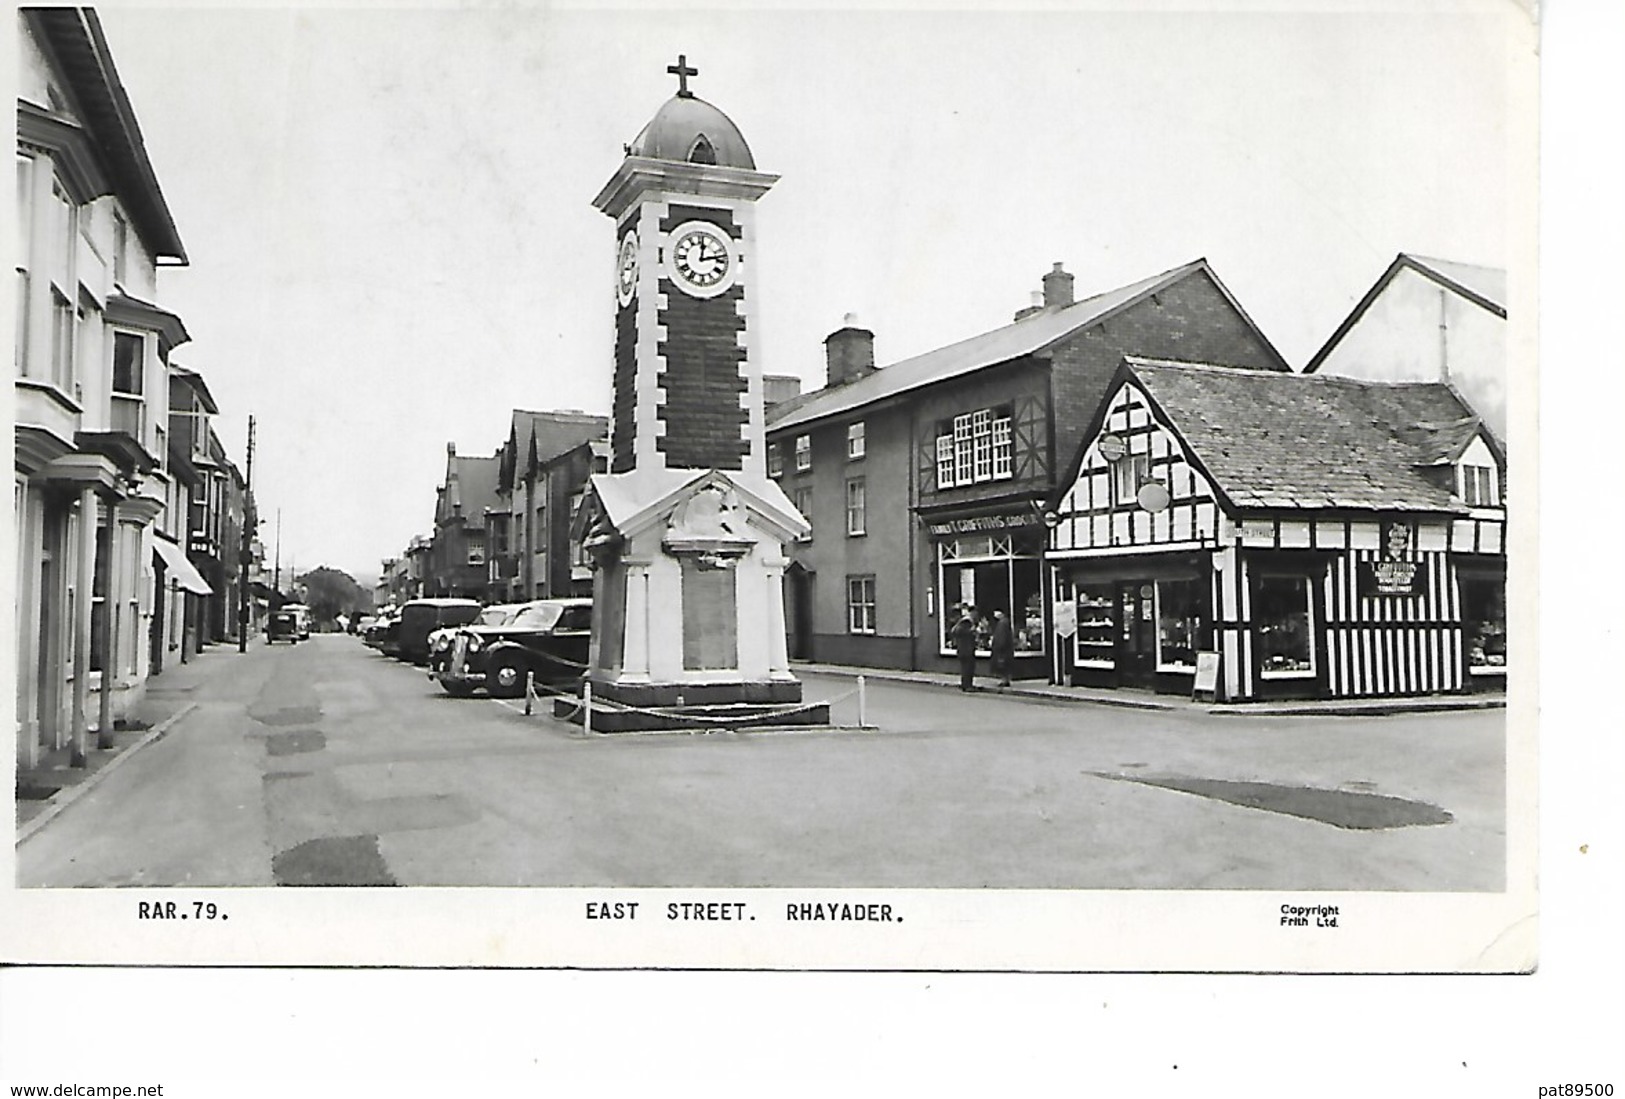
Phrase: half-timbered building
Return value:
(1325, 537)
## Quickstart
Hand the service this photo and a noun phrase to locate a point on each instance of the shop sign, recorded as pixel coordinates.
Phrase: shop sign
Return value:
(1394, 572)
(978, 523)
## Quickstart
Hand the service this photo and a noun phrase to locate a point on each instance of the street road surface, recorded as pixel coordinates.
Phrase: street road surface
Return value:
(326, 763)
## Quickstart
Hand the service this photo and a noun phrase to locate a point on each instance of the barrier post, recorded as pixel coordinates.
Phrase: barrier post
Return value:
(530, 690)
(863, 707)
(586, 706)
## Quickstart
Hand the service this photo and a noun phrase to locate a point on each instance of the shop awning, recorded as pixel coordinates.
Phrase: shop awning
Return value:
(182, 570)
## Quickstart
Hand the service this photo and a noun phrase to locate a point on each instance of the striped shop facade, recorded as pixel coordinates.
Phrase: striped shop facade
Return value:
(1343, 577)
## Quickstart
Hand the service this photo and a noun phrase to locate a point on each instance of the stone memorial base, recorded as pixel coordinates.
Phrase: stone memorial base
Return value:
(688, 606)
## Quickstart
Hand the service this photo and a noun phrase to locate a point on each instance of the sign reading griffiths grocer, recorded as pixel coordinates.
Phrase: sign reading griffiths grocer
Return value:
(1395, 572)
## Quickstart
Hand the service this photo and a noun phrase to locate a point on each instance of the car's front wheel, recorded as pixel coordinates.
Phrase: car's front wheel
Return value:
(506, 677)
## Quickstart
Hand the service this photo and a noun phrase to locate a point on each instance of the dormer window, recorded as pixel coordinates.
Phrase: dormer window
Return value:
(701, 152)
(1478, 486)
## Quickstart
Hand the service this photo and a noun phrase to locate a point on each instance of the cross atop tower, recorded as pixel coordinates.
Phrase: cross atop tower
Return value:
(682, 72)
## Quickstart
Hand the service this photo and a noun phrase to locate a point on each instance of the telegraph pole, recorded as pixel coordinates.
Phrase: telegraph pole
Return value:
(245, 553)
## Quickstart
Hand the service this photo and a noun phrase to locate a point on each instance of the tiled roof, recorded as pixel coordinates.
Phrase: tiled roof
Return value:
(1024, 337)
(1313, 441)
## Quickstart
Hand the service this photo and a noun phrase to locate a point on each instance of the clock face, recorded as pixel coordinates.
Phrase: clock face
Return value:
(626, 268)
(702, 259)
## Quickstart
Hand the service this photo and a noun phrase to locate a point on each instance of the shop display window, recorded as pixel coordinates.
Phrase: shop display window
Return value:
(1484, 624)
(1179, 624)
(1283, 612)
(1093, 642)
(992, 572)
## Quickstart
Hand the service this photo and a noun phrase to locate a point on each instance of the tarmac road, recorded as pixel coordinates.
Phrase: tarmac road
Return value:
(325, 763)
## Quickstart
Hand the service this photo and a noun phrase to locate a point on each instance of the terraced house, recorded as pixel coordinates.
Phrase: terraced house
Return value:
(542, 472)
(91, 387)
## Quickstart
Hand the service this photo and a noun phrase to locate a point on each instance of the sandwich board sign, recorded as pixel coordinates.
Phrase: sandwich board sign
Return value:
(1207, 676)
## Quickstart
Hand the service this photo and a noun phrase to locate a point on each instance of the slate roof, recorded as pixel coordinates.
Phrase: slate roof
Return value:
(1024, 337)
(555, 433)
(476, 488)
(1295, 441)
(1486, 283)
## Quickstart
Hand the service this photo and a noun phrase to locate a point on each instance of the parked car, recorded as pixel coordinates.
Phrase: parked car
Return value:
(421, 617)
(549, 637)
(289, 622)
(384, 632)
(496, 614)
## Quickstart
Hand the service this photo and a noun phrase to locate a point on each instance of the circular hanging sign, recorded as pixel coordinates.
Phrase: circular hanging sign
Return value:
(1112, 447)
(1153, 496)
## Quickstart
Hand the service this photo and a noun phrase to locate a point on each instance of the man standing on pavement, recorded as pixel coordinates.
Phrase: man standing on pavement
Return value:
(964, 638)
(1003, 646)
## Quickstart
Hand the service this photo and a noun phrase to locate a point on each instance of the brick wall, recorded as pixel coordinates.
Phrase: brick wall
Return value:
(623, 415)
(1190, 321)
(704, 420)
(703, 377)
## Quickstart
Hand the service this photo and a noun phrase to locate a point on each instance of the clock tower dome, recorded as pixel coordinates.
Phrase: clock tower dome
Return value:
(686, 530)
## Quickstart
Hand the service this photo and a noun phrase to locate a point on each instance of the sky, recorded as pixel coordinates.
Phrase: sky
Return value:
(392, 243)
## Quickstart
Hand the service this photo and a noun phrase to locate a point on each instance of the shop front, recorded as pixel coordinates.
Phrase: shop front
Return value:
(1190, 535)
(1139, 621)
(1483, 585)
(992, 563)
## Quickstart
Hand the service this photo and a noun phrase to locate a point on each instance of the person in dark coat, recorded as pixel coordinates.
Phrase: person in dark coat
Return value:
(1003, 646)
(964, 638)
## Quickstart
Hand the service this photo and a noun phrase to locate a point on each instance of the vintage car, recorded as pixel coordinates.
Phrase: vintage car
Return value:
(384, 633)
(289, 622)
(549, 638)
(421, 617)
(497, 614)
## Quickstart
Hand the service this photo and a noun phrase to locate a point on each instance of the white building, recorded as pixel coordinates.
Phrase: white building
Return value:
(1429, 320)
(92, 386)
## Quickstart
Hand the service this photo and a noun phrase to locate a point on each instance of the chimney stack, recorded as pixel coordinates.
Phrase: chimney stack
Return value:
(1057, 288)
(849, 352)
(778, 388)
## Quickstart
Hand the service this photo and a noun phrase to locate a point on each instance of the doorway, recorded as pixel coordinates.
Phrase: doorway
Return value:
(1136, 634)
(160, 612)
(800, 611)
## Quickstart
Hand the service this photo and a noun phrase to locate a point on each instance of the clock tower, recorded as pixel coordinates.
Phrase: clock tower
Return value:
(686, 530)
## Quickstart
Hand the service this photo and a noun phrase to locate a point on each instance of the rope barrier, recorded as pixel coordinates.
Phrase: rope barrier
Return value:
(585, 704)
(701, 721)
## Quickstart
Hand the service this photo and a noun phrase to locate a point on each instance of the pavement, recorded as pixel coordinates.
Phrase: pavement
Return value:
(1149, 700)
(46, 790)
